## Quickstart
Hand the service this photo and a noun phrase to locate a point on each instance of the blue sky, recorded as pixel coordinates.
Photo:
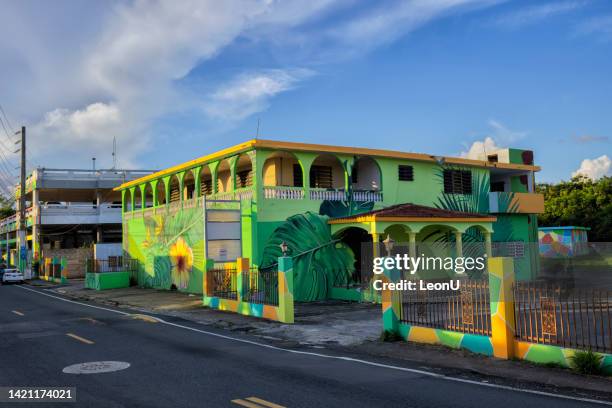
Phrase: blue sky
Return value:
(176, 80)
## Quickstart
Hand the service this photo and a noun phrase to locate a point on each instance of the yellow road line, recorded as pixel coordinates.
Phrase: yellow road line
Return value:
(264, 402)
(245, 403)
(79, 338)
(17, 312)
(144, 317)
(254, 402)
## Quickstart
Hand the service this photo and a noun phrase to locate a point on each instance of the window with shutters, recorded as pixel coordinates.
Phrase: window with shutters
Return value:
(457, 182)
(321, 177)
(245, 178)
(405, 173)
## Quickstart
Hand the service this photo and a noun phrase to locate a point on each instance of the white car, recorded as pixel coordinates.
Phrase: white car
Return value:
(12, 275)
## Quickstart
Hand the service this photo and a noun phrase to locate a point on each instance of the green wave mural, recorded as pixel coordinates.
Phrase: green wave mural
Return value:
(317, 257)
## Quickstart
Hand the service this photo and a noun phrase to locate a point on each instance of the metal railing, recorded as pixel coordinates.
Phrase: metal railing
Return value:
(260, 286)
(222, 283)
(112, 264)
(466, 310)
(552, 314)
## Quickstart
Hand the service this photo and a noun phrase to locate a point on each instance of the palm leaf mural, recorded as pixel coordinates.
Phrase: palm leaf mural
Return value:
(347, 206)
(317, 257)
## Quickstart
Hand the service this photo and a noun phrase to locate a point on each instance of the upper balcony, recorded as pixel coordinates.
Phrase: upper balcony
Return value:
(516, 203)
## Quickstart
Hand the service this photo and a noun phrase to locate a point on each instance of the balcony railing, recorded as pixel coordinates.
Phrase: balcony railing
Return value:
(520, 203)
(283, 193)
(366, 196)
(328, 195)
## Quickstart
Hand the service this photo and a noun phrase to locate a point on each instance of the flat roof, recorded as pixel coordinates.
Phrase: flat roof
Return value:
(564, 228)
(310, 147)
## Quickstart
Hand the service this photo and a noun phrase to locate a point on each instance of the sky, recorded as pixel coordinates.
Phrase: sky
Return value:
(174, 80)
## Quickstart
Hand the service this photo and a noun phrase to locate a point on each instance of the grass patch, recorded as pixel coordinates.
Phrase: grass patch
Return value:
(586, 362)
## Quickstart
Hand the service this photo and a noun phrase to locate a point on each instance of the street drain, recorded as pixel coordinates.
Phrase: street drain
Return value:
(96, 367)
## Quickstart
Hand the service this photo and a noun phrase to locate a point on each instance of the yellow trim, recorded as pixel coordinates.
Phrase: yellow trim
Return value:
(310, 147)
(374, 218)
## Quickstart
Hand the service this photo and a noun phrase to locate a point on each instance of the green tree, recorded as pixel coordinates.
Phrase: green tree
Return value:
(6, 207)
(579, 202)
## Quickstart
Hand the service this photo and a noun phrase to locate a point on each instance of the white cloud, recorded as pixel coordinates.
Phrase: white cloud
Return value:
(500, 136)
(595, 168)
(250, 93)
(114, 70)
(534, 14)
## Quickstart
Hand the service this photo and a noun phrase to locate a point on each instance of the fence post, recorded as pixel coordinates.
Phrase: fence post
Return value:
(242, 265)
(501, 280)
(63, 271)
(285, 289)
(391, 301)
(209, 264)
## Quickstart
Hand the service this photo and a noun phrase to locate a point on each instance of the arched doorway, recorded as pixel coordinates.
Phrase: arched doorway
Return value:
(244, 172)
(206, 182)
(148, 196)
(161, 192)
(360, 242)
(224, 177)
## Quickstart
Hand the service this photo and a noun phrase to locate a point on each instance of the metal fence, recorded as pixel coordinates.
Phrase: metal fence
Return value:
(260, 286)
(222, 283)
(112, 264)
(552, 314)
(466, 310)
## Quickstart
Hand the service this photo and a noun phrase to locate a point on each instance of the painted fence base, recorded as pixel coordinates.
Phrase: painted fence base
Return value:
(502, 342)
(283, 313)
(107, 280)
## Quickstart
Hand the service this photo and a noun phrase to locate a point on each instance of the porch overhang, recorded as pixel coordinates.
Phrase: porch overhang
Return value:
(414, 218)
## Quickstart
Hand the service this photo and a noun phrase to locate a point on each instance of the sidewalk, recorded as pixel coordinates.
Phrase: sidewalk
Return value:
(348, 328)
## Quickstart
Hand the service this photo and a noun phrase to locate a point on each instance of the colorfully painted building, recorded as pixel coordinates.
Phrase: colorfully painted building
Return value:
(324, 202)
(560, 242)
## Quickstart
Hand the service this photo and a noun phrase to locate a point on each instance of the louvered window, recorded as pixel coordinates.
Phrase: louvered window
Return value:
(321, 177)
(457, 182)
(405, 173)
(245, 178)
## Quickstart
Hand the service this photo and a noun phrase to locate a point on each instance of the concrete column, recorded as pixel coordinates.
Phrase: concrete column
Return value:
(35, 225)
(458, 243)
(99, 227)
(375, 244)
(501, 280)
(412, 244)
(488, 245)
(285, 290)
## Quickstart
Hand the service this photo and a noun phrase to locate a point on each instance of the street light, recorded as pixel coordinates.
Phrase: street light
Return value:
(389, 243)
(284, 247)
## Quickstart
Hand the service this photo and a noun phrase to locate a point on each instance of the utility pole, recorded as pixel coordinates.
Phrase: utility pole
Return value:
(22, 210)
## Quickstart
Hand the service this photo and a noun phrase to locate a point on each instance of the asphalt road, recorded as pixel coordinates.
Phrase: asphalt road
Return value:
(174, 366)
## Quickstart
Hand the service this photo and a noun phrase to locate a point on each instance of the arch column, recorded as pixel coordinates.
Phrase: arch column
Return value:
(458, 244)
(412, 244)
(488, 245)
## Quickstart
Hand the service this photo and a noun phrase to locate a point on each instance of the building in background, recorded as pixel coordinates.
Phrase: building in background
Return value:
(68, 210)
(561, 242)
(324, 202)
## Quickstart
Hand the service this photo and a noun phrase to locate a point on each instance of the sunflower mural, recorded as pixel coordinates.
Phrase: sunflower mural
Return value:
(171, 249)
(181, 257)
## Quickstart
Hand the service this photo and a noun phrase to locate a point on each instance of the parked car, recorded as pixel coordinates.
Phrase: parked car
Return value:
(12, 275)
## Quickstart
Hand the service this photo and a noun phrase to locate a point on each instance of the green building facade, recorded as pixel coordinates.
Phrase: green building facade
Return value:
(245, 200)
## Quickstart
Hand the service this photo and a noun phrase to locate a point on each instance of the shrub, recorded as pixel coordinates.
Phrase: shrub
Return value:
(586, 362)
(389, 335)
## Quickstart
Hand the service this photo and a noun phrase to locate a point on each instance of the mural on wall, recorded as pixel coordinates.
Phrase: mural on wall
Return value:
(318, 258)
(170, 248)
(562, 242)
(348, 206)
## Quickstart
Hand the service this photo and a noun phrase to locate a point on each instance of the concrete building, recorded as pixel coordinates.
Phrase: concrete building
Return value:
(67, 210)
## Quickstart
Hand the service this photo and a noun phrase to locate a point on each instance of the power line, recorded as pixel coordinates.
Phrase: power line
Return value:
(6, 119)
